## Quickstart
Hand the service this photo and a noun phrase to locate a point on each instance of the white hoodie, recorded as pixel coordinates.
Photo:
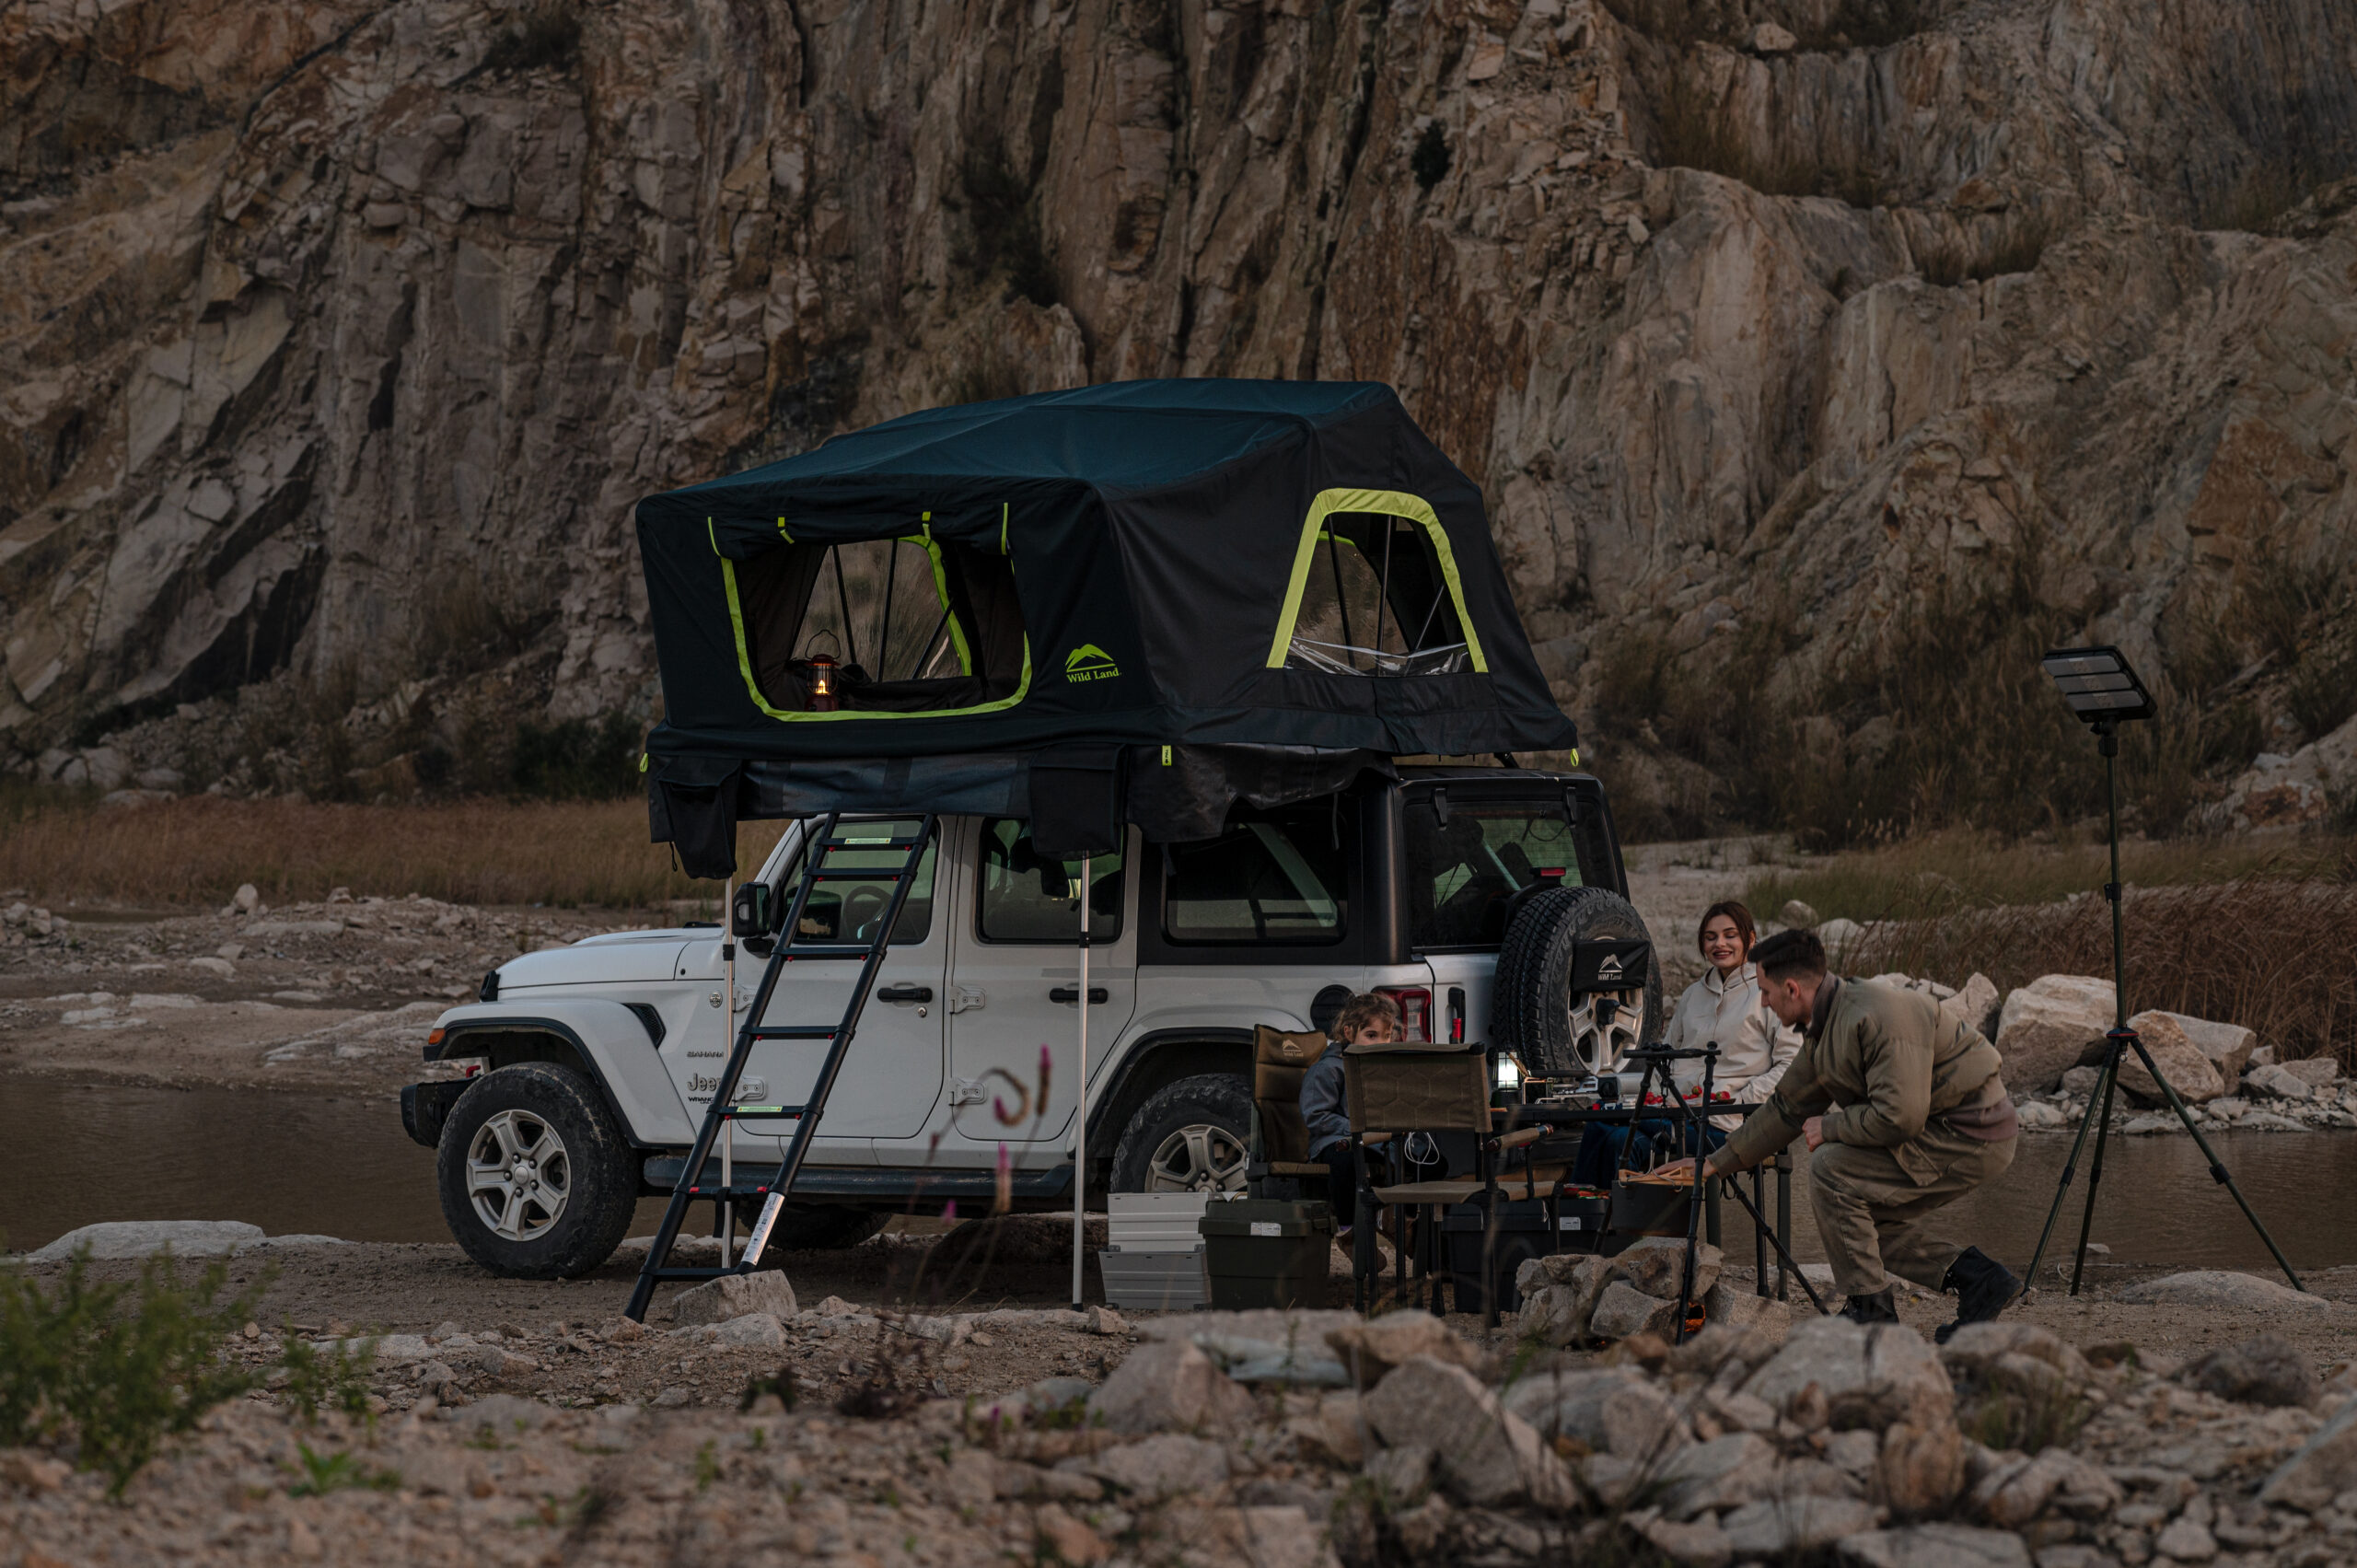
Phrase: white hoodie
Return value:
(1754, 1048)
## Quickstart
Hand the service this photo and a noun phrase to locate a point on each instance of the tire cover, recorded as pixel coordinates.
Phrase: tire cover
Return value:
(1533, 1010)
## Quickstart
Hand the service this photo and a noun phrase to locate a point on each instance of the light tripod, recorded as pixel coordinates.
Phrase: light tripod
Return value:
(2103, 690)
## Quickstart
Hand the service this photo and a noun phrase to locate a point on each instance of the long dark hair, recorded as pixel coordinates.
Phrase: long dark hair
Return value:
(1744, 927)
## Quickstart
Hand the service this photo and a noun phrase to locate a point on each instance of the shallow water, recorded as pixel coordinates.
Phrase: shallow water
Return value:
(342, 1167)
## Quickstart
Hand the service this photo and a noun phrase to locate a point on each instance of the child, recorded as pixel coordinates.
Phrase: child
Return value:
(1365, 1019)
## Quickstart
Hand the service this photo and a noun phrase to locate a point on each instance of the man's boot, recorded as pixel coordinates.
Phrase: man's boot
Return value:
(1875, 1309)
(1982, 1287)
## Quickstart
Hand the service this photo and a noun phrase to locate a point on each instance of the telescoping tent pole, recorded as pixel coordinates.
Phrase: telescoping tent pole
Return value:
(1080, 1128)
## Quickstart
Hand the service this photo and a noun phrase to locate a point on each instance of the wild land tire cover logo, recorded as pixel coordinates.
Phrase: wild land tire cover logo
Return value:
(1610, 968)
(1089, 662)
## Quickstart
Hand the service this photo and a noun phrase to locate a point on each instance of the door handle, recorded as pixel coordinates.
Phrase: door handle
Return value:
(1072, 994)
(904, 993)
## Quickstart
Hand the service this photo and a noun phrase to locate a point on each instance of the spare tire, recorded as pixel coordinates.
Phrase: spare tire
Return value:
(1557, 1032)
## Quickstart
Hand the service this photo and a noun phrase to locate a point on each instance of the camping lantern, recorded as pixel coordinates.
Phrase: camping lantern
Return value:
(822, 685)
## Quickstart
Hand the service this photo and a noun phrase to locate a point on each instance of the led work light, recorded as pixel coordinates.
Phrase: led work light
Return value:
(2098, 684)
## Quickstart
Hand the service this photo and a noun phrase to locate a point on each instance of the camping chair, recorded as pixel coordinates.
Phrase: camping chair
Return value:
(1388, 1089)
(1280, 1142)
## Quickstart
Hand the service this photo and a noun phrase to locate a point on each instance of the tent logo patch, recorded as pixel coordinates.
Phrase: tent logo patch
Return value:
(1089, 662)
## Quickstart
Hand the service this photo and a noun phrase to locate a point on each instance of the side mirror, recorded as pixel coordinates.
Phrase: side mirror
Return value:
(754, 910)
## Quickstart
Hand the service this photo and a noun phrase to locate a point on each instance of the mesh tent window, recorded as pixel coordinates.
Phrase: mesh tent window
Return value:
(1375, 590)
(920, 627)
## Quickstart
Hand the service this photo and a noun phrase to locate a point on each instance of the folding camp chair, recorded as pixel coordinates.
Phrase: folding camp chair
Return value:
(1279, 1144)
(1395, 1090)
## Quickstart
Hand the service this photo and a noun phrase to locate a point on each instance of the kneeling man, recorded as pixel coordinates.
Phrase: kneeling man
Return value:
(1904, 1113)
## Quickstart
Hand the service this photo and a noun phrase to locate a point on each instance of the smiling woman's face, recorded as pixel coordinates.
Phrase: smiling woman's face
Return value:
(1722, 944)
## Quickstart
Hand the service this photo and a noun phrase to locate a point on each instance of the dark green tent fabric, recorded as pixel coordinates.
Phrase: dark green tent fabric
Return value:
(1152, 535)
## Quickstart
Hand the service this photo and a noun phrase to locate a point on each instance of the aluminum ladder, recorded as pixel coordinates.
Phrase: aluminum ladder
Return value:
(816, 852)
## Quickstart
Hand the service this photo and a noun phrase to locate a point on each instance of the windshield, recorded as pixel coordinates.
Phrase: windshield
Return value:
(1467, 858)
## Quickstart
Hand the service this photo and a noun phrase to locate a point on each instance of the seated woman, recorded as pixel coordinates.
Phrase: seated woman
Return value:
(1723, 1008)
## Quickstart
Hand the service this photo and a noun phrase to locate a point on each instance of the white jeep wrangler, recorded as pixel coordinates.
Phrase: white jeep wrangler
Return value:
(589, 1067)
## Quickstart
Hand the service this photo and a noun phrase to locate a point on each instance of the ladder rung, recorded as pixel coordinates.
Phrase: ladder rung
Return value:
(764, 1112)
(842, 846)
(827, 949)
(793, 1032)
(857, 876)
(690, 1273)
(761, 1191)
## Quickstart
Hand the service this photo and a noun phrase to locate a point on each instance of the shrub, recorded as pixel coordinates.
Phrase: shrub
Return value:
(319, 1474)
(115, 1367)
(577, 758)
(335, 1378)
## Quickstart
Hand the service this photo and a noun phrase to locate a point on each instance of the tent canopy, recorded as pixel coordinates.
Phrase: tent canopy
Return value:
(1206, 564)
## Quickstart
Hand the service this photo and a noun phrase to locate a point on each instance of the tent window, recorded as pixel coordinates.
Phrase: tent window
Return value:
(1375, 592)
(915, 625)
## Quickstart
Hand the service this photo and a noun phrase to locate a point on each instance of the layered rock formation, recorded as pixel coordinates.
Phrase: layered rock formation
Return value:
(338, 340)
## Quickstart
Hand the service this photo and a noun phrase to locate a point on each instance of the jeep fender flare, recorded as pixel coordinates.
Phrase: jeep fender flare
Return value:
(630, 1075)
(1147, 1063)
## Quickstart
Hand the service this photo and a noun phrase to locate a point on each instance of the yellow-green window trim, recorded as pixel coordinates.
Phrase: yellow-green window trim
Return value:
(1382, 502)
(787, 715)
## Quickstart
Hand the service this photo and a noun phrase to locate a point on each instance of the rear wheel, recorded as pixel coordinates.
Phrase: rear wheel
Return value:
(1562, 1033)
(536, 1179)
(1191, 1136)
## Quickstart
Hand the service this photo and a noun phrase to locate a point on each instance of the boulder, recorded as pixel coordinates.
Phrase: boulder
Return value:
(1795, 1527)
(2325, 1466)
(2222, 1287)
(736, 1295)
(1656, 1264)
(1838, 934)
(1976, 1005)
(1169, 1384)
(1487, 1456)
(2228, 1046)
(2313, 1071)
(752, 1330)
(1868, 1376)
(1742, 1309)
(2265, 1370)
(1623, 1310)
(140, 1238)
(1569, 1401)
(2013, 1355)
(2048, 1025)
(2018, 1492)
(1373, 1349)
(2190, 1074)
(1402, 1475)
(1162, 1466)
(1797, 913)
(1726, 1472)
(1918, 1471)
(1932, 1546)
(2272, 1082)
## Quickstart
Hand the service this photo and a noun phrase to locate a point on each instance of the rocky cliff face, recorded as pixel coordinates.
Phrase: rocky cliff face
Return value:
(1792, 342)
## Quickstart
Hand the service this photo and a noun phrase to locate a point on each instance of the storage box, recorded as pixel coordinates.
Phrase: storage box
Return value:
(1158, 1280)
(1154, 1222)
(1523, 1232)
(1269, 1252)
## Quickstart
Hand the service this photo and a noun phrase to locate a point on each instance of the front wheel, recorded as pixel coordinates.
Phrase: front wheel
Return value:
(536, 1179)
(1191, 1136)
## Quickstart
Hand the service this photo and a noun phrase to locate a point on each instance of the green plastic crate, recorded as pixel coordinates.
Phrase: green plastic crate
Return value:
(1269, 1252)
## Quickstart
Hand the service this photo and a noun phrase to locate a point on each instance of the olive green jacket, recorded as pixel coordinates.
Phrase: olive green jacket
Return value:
(1890, 1059)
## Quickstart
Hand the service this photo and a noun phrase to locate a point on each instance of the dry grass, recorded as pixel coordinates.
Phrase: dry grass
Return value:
(195, 852)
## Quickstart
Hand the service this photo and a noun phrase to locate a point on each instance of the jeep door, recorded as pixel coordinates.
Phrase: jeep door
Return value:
(1017, 968)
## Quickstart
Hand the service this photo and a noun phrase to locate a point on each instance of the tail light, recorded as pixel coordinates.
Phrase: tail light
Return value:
(1415, 1004)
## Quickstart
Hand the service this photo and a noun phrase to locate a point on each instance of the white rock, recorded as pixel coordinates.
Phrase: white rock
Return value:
(2313, 1071)
(1726, 1472)
(1869, 1377)
(1933, 1546)
(1162, 1466)
(1975, 1007)
(1838, 934)
(736, 1295)
(1623, 1310)
(2041, 1115)
(1778, 1526)
(2190, 1072)
(2325, 1466)
(1487, 1455)
(1797, 913)
(1769, 39)
(1165, 1385)
(2222, 1287)
(248, 898)
(757, 1330)
(214, 966)
(2048, 1025)
(139, 1239)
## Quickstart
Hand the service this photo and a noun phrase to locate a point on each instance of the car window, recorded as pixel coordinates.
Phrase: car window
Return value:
(1462, 873)
(849, 909)
(1273, 877)
(1028, 898)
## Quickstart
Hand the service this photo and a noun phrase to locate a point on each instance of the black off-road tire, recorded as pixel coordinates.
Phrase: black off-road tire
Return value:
(601, 1180)
(1532, 1007)
(1217, 1104)
(814, 1227)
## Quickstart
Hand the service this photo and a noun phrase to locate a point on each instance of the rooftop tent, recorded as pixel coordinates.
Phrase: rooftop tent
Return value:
(1210, 587)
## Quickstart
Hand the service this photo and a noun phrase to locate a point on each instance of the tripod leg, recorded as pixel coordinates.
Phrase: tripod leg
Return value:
(2095, 1170)
(2069, 1167)
(2218, 1172)
(1792, 1268)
